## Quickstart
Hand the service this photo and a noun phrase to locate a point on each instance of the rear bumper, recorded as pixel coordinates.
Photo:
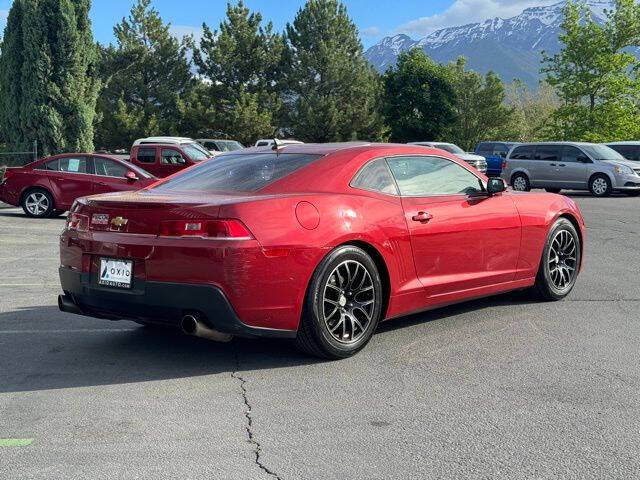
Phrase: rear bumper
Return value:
(159, 303)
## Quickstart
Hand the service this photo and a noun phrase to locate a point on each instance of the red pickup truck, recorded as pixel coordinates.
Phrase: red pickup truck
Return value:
(163, 159)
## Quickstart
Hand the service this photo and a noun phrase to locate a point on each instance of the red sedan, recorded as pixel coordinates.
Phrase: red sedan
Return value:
(314, 242)
(49, 186)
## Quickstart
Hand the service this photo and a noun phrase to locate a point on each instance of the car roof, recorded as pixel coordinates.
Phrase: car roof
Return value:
(559, 144)
(627, 142)
(308, 148)
(165, 140)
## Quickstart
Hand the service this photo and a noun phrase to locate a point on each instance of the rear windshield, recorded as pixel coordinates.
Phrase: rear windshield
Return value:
(237, 173)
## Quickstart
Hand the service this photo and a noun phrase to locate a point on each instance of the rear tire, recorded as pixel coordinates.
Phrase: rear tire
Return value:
(343, 305)
(37, 203)
(520, 183)
(560, 262)
(600, 186)
(553, 190)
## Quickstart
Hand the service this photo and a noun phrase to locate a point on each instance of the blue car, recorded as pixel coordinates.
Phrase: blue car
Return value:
(495, 153)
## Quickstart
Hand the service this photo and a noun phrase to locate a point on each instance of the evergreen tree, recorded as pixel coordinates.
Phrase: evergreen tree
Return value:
(595, 76)
(480, 110)
(332, 94)
(241, 62)
(48, 77)
(148, 80)
(419, 99)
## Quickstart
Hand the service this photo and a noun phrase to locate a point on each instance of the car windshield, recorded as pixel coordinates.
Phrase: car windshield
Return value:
(448, 147)
(195, 151)
(602, 152)
(229, 145)
(237, 173)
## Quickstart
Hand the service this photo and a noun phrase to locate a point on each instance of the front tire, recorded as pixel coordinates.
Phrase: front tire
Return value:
(343, 305)
(37, 203)
(600, 186)
(560, 262)
(520, 182)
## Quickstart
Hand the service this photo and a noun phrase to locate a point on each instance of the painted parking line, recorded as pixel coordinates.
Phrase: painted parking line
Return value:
(15, 442)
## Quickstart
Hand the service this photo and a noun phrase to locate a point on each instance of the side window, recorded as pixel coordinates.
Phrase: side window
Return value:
(109, 168)
(375, 176)
(51, 166)
(426, 176)
(211, 146)
(73, 164)
(146, 155)
(500, 150)
(262, 144)
(522, 153)
(571, 154)
(485, 149)
(630, 152)
(548, 153)
(171, 157)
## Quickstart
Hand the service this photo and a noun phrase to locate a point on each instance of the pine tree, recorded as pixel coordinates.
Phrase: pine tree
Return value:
(241, 63)
(148, 80)
(420, 98)
(48, 78)
(332, 94)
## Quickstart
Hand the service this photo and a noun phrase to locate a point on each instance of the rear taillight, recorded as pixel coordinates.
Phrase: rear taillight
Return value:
(229, 228)
(77, 221)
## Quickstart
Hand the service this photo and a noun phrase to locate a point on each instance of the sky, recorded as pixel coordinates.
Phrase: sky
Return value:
(375, 19)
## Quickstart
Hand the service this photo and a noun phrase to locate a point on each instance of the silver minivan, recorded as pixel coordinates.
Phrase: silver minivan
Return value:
(571, 165)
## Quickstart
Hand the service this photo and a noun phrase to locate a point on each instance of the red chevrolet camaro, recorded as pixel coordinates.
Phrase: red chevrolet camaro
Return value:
(50, 185)
(314, 242)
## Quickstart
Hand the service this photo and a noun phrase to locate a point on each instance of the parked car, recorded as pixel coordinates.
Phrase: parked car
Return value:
(49, 186)
(164, 159)
(575, 166)
(317, 243)
(476, 161)
(216, 146)
(268, 142)
(494, 153)
(629, 150)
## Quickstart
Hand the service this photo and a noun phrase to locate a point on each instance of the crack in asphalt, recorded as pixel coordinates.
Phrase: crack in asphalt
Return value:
(257, 447)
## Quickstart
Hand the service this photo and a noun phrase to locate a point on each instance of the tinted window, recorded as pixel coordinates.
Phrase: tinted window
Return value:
(425, 176)
(211, 146)
(522, 153)
(109, 168)
(485, 148)
(571, 154)
(630, 152)
(548, 153)
(146, 155)
(375, 176)
(237, 173)
(500, 150)
(171, 157)
(262, 144)
(51, 165)
(74, 165)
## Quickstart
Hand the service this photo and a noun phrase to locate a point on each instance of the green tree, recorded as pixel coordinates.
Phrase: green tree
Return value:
(533, 110)
(595, 76)
(419, 98)
(147, 80)
(48, 76)
(241, 63)
(480, 109)
(331, 93)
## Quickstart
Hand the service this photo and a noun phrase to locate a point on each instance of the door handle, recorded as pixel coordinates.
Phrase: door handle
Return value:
(422, 217)
(552, 165)
(102, 184)
(562, 165)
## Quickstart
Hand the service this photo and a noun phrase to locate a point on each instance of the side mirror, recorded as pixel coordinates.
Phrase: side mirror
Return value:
(495, 185)
(131, 176)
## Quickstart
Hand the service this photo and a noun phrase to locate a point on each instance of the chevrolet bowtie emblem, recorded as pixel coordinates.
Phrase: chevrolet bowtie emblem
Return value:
(119, 222)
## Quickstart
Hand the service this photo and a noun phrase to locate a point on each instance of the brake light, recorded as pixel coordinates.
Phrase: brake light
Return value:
(229, 228)
(77, 221)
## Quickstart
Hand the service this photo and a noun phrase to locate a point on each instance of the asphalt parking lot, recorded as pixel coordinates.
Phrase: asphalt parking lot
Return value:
(504, 387)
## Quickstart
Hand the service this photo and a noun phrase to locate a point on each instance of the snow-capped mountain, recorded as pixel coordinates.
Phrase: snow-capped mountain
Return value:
(510, 47)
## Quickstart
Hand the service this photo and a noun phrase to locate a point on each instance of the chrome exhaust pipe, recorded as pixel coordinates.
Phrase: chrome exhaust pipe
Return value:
(66, 304)
(191, 325)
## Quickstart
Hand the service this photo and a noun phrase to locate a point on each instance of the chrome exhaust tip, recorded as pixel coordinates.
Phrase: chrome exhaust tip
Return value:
(66, 304)
(192, 325)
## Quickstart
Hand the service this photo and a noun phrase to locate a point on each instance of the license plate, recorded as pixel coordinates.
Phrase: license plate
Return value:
(115, 273)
